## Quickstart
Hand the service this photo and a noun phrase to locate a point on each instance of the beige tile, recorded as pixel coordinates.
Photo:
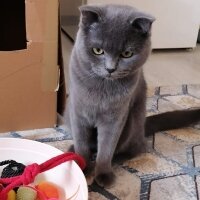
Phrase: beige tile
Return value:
(96, 196)
(166, 105)
(173, 188)
(152, 164)
(150, 113)
(197, 156)
(151, 103)
(184, 101)
(171, 90)
(198, 184)
(189, 135)
(61, 145)
(150, 91)
(179, 102)
(194, 90)
(127, 185)
(171, 148)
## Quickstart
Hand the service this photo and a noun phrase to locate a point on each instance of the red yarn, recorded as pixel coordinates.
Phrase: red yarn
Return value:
(31, 171)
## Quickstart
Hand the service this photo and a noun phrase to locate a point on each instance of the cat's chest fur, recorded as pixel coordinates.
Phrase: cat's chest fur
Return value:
(100, 101)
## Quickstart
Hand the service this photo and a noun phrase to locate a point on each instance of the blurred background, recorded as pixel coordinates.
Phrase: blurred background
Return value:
(175, 58)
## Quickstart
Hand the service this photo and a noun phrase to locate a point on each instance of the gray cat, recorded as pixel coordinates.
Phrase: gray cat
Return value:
(107, 87)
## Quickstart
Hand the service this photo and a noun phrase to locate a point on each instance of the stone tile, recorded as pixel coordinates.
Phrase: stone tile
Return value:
(96, 196)
(150, 91)
(171, 90)
(61, 145)
(189, 135)
(198, 184)
(9, 135)
(40, 134)
(166, 105)
(170, 148)
(197, 126)
(150, 113)
(128, 191)
(150, 143)
(152, 164)
(184, 101)
(194, 90)
(197, 156)
(173, 188)
(151, 103)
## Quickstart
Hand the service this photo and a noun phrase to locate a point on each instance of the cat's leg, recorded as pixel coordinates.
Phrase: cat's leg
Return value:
(81, 138)
(132, 141)
(108, 136)
(131, 148)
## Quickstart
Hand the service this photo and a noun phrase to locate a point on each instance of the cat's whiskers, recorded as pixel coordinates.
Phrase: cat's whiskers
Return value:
(89, 76)
(122, 74)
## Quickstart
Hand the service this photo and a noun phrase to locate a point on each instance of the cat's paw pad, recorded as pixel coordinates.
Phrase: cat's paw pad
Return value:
(105, 180)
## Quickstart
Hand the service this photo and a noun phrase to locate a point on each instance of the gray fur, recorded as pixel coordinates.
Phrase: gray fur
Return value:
(114, 103)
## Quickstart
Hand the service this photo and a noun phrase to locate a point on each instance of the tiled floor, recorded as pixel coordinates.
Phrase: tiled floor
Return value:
(170, 170)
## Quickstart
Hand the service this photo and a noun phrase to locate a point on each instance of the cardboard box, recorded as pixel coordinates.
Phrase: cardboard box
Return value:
(29, 73)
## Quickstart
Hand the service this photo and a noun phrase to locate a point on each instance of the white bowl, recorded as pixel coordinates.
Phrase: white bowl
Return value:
(67, 175)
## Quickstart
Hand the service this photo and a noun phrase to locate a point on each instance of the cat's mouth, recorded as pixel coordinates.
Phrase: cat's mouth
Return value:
(109, 76)
(114, 76)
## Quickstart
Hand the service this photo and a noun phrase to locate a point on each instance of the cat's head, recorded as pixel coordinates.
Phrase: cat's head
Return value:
(114, 39)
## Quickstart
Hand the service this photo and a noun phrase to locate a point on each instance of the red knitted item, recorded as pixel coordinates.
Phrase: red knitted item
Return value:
(31, 171)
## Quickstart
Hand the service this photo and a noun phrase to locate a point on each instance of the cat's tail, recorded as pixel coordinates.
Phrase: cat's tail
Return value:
(171, 120)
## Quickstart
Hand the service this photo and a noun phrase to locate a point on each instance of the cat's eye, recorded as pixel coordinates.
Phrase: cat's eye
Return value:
(98, 51)
(127, 54)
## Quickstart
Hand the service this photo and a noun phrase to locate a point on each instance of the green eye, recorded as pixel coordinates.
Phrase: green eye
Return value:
(127, 54)
(97, 51)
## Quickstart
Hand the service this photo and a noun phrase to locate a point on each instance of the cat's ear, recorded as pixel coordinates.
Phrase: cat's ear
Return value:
(143, 24)
(90, 15)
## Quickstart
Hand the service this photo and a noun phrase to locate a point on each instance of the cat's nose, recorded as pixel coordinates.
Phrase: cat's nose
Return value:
(110, 70)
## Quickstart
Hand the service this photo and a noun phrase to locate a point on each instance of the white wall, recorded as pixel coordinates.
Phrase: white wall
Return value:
(177, 23)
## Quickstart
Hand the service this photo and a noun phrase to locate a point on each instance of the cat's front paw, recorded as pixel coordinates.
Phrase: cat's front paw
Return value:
(89, 170)
(105, 179)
